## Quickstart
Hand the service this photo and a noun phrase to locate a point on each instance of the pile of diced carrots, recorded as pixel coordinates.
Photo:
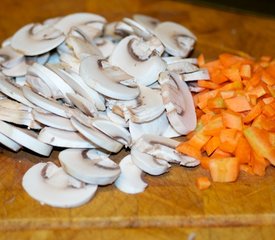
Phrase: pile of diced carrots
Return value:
(236, 118)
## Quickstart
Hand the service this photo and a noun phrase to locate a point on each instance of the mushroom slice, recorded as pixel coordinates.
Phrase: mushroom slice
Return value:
(150, 108)
(193, 87)
(116, 118)
(177, 39)
(66, 23)
(178, 102)
(113, 130)
(200, 74)
(135, 57)
(52, 120)
(148, 163)
(34, 39)
(62, 138)
(188, 161)
(13, 92)
(97, 137)
(182, 67)
(78, 85)
(105, 46)
(130, 179)
(40, 59)
(17, 71)
(44, 103)
(38, 85)
(172, 60)
(148, 22)
(14, 146)
(90, 166)
(26, 138)
(50, 185)
(88, 31)
(9, 58)
(13, 105)
(138, 28)
(93, 74)
(83, 104)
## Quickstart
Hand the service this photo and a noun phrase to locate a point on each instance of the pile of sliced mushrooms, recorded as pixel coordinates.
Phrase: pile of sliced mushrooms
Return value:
(93, 88)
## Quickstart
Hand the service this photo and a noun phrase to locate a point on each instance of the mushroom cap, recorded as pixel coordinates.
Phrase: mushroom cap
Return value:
(91, 166)
(26, 138)
(56, 190)
(14, 146)
(34, 39)
(130, 179)
(145, 72)
(177, 39)
(148, 22)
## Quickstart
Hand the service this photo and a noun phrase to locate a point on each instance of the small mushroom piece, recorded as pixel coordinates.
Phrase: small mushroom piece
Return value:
(175, 60)
(182, 67)
(113, 130)
(200, 74)
(14, 92)
(35, 39)
(93, 74)
(134, 56)
(47, 104)
(178, 40)
(97, 137)
(26, 138)
(90, 166)
(52, 120)
(105, 46)
(38, 85)
(9, 58)
(150, 108)
(66, 23)
(178, 102)
(130, 179)
(62, 138)
(139, 30)
(116, 118)
(17, 71)
(50, 185)
(14, 146)
(148, 22)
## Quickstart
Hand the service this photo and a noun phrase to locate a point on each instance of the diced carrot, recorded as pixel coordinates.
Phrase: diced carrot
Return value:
(268, 110)
(228, 59)
(271, 69)
(228, 140)
(258, 164)
(201, 60)
(260, 143)
(227, 94)
(232, 74)
(253, 113)
(258, 91)
(204, 162)
(214, 126)
(271, 90)
(218, 77)
(268, 100)
(252, 99)
(246, 168)
(216, 102)
(212, 145)
(238, 104)
(243, 150)
(203, 183)
(267, 78)
(203, 98)
(246, 71)
(232, 86)
(198, 140)
(218, 153)
(232, 120)
(266, 58)
(188, 150)
(208, 84)
(224, 169)
(256, 78)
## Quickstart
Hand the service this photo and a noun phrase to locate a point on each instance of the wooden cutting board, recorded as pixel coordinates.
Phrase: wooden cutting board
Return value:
(171, 207)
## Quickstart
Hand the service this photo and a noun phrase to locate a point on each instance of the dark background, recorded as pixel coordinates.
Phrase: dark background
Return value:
(258, 7)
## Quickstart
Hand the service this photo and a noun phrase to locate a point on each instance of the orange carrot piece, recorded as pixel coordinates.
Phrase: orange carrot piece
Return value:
(267, 78)
(246, 168)
(258, 91)
(271, 69)
(227, 94)
(260, 143)
(203, 183)
(212, 145)
(218, 77)
(232, 120)
(268, 110)
(228, 140)
(228, 59)
(266, 58)
(208, 84)
(204, 162)
(201, 60)
(238, 104)
(218, 153)
(246, 71)
(198, 140)
(258, 164)
(268, 100)
(232, 74)
(237, 85)
(214, 126)
(224, 169)
(189, 150)
(253, 113)
(243, 150)
(216, 102)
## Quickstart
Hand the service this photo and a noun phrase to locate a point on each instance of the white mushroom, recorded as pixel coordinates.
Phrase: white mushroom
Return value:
(26, 138)
(130, 179)
(178, 40)
(148, 22)
(50, 185)
(93, 74)
(38, 85)
(97, 137)
(135, 57)
(139, 30)
(14, 146)
(200, 74)
(178, 102)
(35, 39)
(90, 166)
(9, 58)
(105, 45)
(62, 138)
(17, 71)
(116, 118)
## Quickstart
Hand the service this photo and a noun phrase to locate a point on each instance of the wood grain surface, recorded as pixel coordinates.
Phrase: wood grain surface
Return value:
(171, 207)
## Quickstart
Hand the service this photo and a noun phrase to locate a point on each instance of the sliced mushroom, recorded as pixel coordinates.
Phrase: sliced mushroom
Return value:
(13, 92)
(148, 22)
(178, 102)
(9, 58)
(14, 146)
(135, 58)
(130, 179)
(93, 74)
(150, 108)
(50, 185)
(116, 118)
(35, 39)
(38, 85)
(97, 137)
(172, 60)
(26, 138)
(17, 71)
(139, 30)
(182, 67)
(200, 74)
(90, 166)
(47, 104)
(105, 45)
(87, 31)
(62, 138)
(178, 40)
(52, 120)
